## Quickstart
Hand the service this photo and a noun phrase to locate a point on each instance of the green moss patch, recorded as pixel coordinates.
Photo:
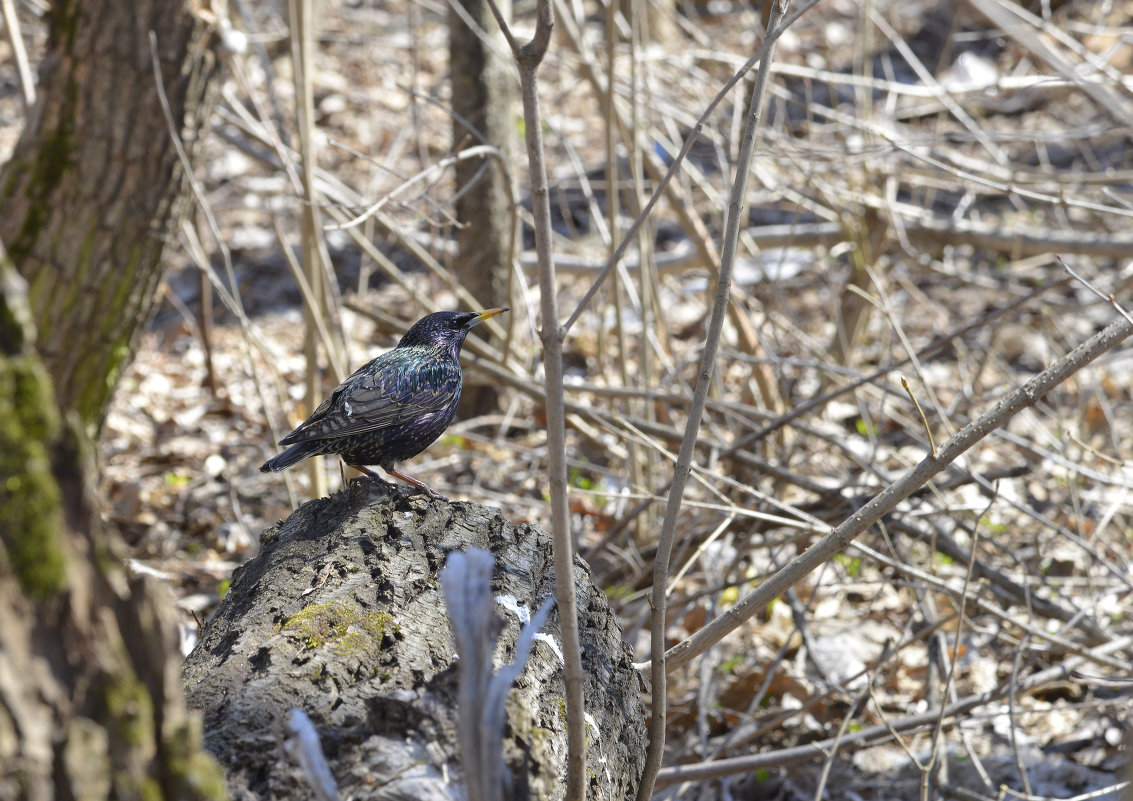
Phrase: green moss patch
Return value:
(337, 626)
(31, 521)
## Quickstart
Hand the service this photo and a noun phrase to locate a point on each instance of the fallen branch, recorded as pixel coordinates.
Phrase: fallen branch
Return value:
(876, 735)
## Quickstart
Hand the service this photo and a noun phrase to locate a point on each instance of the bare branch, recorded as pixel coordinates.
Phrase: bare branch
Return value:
(528, 57)
(883, 503)
(696, 411)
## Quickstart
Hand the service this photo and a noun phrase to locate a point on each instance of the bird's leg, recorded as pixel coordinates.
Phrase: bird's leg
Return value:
(416, 483)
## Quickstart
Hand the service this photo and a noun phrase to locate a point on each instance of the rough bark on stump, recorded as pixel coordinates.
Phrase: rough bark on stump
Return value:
(369, 655)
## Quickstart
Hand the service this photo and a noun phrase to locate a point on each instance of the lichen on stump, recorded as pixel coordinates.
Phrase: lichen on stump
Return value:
(369, 656)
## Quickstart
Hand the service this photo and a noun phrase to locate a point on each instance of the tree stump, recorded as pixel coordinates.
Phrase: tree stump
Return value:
(342, 616)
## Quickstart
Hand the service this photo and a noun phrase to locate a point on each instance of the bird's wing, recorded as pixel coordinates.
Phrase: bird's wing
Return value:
(396, 392)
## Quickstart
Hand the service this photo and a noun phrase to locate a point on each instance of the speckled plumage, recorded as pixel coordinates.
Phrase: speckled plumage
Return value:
(393, 407)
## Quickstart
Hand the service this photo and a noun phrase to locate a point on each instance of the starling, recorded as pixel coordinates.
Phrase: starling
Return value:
(393, 407)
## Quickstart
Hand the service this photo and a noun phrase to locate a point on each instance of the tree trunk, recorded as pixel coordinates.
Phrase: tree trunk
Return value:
(94, 190)
(90, 702)
(342, 616)
(483, 96)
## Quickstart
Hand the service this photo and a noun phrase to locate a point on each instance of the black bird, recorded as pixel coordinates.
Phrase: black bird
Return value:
(393, 407)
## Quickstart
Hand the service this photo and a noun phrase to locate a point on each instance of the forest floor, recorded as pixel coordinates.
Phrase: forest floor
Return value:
(876, 196)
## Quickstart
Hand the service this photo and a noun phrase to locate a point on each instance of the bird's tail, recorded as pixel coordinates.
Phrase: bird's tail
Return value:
(296, 453)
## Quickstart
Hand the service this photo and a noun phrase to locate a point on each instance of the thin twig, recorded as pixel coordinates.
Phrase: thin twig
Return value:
(631, 232)
(301, 15)
(528, 57)
(1013, 716)
(1107, 298)
(467, 583)
(920, 413)
(659, 712)
(439, 166)
(938, 760)
(813, 404)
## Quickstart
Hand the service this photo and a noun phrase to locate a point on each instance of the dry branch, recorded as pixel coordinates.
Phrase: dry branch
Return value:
(528, 57)
(683, 466)
(1026, 395)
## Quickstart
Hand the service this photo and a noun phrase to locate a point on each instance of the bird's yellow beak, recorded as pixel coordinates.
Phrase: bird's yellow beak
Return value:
(484, 315)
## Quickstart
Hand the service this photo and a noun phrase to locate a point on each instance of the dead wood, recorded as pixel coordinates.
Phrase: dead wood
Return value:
(366, 651)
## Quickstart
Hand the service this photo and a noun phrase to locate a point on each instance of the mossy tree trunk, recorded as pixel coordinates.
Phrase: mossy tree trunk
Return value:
(91, 704)
(93, 193)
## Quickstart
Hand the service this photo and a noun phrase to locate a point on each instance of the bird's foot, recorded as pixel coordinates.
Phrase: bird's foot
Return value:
(414, 484)
(432, 493)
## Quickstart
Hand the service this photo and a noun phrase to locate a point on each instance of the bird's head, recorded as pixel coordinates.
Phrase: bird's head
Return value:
(442, 329)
